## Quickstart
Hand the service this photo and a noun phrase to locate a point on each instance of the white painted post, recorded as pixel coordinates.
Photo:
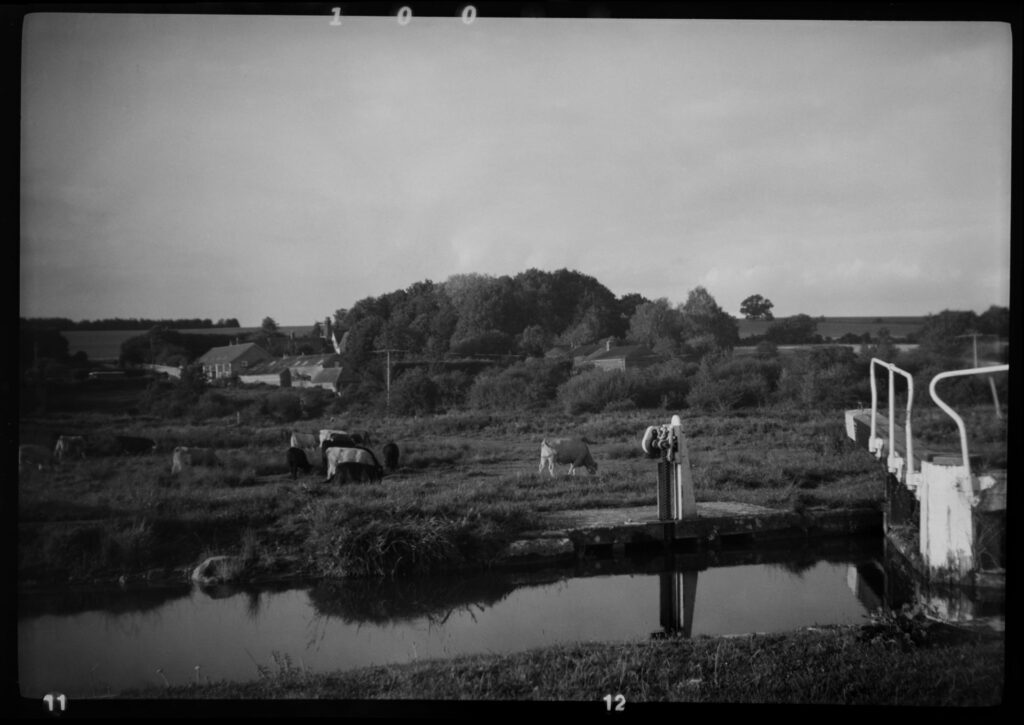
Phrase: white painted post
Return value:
(685, 500)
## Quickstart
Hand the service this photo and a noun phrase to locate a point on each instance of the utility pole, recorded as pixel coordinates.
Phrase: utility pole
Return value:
(387, 374)
(992, 383)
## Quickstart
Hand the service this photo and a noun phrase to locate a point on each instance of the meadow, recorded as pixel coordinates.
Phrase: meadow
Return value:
(467, 484)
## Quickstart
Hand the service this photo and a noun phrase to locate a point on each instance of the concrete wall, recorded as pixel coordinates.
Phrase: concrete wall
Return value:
(947, 527)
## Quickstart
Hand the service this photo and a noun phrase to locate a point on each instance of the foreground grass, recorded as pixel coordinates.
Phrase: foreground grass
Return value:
(888, 663)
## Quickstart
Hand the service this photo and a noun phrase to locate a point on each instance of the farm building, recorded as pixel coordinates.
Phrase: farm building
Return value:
(301, 371)
(606, 355)
(268, 372)
(305, 367)
(332, 379)
(223, 362)
(626, 357)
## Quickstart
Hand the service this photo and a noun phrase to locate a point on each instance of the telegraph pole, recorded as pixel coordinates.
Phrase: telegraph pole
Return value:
(992, 383)
(387, 374)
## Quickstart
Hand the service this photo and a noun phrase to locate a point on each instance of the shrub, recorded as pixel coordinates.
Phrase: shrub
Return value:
(212, 405)
(530, 384)
(590, 392)
(314, 402)
(414, 393)
(825, 378)
(725, 383)
(283, 406)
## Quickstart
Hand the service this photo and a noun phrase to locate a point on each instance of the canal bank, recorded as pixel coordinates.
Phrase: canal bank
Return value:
(570, 535)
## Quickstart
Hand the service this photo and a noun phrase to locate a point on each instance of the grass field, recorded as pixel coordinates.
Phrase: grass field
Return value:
(467, 484)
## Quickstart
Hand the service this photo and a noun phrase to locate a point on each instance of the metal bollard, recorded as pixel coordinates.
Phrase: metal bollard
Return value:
(676, 498)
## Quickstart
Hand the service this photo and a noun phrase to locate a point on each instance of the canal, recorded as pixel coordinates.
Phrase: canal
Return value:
(95, 642)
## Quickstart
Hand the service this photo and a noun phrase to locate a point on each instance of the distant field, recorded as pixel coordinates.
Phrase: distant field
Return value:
(836, 327)
(106, 344)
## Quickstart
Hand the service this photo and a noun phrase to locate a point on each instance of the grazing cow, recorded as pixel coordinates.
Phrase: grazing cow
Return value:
(327, 433)
(303, 440)
(335, 440)
(353, 471)
(337, 456)
(135, 444)
(573, 451)
(186, 456)
(69, 447)
(362, 437)
(33, 455)
(296, 460)
(390, 455)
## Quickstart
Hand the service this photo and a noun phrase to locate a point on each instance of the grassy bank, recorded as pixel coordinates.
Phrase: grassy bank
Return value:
(467, 485)
(901, 659)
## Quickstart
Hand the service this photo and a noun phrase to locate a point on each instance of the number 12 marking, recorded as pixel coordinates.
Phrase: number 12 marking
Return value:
(619, 700)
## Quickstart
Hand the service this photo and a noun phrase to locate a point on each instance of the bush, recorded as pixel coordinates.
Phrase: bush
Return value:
(283, 406)
(530, 384)
(453, 388)
(414, 393)
(212, 405)
(825, 378)
(725, 383)
(314, 402)
(590, 392)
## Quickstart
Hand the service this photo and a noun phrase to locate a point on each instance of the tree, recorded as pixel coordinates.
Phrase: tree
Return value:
(757, 307)
(269, 327)
(657, 325)
(941, 333)
(702, 317)
(796, 330)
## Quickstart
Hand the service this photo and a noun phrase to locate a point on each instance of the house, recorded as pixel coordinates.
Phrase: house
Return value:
(606, 355)
(625, 357)
(305, 367)
(223, 362)
(269, 372)
(332, 379)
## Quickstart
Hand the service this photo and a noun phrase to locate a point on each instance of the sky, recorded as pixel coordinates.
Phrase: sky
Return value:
(181, 166)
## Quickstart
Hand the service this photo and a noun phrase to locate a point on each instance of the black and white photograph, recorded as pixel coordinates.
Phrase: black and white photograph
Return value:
(403, 359)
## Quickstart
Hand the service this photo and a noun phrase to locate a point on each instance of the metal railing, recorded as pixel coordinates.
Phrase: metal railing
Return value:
(952, 413)
(894, 462)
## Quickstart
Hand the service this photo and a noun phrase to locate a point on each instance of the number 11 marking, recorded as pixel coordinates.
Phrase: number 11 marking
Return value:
(60, 698)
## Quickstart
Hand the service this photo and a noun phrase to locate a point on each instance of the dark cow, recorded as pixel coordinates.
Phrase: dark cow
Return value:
(135, 444)
(296, 460)
(390, 455)
(355, 471)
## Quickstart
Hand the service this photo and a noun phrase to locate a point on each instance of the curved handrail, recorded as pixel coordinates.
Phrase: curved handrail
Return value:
(892, 410)
(952, 413)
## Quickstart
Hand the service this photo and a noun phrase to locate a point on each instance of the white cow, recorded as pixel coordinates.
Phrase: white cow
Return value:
(185, 456)
(33, 455)
(327, 433)
(337, 456)
(304, 440)
(573, 451)
(69, 447)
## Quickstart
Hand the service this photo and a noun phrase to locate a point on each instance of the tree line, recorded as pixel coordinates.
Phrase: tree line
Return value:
(525, 315)
(120, 323)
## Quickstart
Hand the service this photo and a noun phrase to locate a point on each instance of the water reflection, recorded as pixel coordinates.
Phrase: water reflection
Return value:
(89, 643)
